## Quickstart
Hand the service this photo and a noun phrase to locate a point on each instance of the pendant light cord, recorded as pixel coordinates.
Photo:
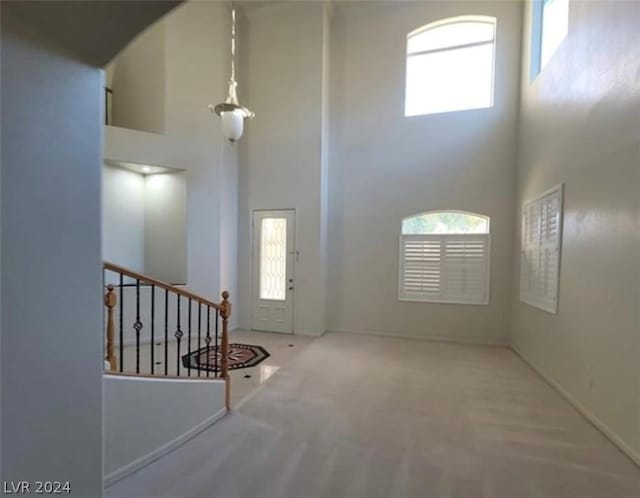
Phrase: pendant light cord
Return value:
(233, 42)
(231, 104)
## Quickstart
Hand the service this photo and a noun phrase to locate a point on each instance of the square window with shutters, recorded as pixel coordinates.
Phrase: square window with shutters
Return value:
(451, 268)
(541, 250)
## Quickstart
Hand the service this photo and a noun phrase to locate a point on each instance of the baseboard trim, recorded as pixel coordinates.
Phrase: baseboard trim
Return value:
(303, 333)
(606, 431)
(307, 333)
(433, 338)
(158, 453)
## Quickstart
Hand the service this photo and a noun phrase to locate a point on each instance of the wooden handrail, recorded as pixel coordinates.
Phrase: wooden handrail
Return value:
(162, 285)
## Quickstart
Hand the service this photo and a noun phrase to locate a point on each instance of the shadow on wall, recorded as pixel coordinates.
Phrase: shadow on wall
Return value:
(136, 95)
(145, 219)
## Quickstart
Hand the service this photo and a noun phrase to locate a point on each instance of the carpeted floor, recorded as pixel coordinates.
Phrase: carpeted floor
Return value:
(366, 416)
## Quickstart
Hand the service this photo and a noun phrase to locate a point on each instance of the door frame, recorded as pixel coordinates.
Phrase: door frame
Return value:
(293, 251)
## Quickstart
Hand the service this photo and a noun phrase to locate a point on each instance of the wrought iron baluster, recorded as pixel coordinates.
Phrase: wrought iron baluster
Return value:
(121, 322)
(208, 338)
(199, 335)
(216, 347)
(225, 311)
(153, 326)
(178, 334)
(189, 347)
(166, 332)
(108, 97)
(137, 325)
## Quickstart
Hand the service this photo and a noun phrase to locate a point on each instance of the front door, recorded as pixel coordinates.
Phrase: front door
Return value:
(273, 257)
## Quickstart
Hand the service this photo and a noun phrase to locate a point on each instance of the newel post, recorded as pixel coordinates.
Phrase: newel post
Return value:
(110, 300)
(225, 310)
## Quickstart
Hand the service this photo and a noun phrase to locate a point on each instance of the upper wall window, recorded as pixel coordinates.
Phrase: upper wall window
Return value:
(444, 258)
(550, 25)
(450, 66)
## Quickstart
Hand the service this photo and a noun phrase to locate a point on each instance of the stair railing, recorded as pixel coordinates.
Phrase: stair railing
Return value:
(150, 323)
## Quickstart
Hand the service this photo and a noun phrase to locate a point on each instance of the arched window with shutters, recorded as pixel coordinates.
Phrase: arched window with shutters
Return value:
(445, 258)
(450, 65)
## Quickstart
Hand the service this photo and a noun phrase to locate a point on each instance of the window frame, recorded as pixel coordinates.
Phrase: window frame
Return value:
(537, 37)
(480, 19)
(443, 239)
(455, 211)
(535, 301)
(535, 53)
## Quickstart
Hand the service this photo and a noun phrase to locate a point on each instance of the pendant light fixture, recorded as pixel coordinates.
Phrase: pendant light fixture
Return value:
(231, 112)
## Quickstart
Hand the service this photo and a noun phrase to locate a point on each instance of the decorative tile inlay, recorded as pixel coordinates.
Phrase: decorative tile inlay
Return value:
(240, 356)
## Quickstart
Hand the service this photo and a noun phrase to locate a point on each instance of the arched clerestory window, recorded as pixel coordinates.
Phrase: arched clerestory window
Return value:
(445, 258)
(450, 65)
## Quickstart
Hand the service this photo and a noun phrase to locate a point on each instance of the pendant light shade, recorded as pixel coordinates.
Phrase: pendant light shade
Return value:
(232, 124)
(231, 112)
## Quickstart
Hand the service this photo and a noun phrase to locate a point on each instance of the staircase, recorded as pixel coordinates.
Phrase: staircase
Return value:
(166, 367)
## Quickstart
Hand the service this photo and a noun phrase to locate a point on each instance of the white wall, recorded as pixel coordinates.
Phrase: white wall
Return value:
(165, 234)
(145, 222)
(144, 418)
(579, 125)
(137, 78)
(51, 278)
(341, 152)
(281, 164)
(229, 178)
(385, 167)
(325, 157)
(123, 218)
(196, 49)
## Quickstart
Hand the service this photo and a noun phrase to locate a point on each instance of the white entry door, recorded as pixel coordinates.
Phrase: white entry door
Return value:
(273, 258)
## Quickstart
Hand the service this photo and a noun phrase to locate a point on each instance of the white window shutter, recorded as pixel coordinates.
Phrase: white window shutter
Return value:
(541, 244)
(530, 245)
(420, 263)
(445, 268)
(466, 269)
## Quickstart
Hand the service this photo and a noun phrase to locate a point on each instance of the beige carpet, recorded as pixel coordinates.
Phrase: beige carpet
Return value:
(366, 416)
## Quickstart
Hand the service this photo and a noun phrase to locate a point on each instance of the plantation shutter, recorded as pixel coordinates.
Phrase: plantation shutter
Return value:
(540, 258)
(445, 268)
(420, 267)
